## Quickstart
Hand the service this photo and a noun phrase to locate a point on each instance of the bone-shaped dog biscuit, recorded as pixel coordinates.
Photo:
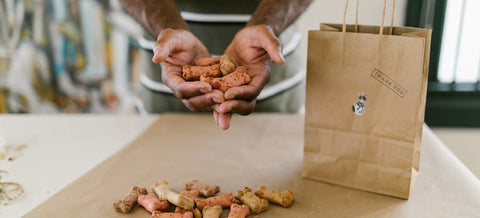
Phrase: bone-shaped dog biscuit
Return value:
(159, 214)
(283, 198)
(191, 73)
(207, 61)
(255, 203)
(212, 211)
(203, 189)
(196, 212)
(151, 203)
(224, 200)
(238, 211)
(226, 66)
(162, 189)
(125, 204)
(193, 194)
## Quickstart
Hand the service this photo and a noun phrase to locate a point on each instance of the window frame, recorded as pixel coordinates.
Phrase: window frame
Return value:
(448, 104)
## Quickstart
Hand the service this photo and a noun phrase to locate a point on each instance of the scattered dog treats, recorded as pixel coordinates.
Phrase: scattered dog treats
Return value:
(9, 191)
(283, 198)
(224, 200)
(162, 189)
(203, 189)
(125, 204)
(151, 203)
(192, 194)
(238, 77)
(238, 211)
(189, 204)
(212, 211)
(207, 61)
(11, 152)
(159, 214)
(255, 203)
(192, 73)
(226, 66)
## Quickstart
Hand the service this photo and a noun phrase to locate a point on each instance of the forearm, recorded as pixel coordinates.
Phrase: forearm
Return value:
(278, 14)
(155, 15)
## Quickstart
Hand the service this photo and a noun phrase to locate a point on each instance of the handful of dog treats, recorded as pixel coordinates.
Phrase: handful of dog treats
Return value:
(220, 73)
(200, 200)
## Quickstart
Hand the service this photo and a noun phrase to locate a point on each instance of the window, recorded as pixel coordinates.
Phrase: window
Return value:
(460, 48)
(453, 97)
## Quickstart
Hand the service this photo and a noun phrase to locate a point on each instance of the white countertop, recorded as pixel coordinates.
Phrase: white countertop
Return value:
(60, 149)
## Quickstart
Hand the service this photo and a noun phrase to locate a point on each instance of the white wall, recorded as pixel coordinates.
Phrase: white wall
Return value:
(331, 11)
(370, 12)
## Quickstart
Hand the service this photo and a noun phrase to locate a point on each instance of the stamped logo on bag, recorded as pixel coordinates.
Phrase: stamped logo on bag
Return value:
(359, 107)
(389, 83)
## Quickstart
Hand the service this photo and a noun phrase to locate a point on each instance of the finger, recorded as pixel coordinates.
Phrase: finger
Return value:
(215, 116)
(272, 45)
(204, 102)
(187, 90)
(250, 91)
(224, 120)
(236, 106)
(161, 51)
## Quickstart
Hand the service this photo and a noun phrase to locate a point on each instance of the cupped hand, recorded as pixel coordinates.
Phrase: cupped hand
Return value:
(254, 47)
(173, 49)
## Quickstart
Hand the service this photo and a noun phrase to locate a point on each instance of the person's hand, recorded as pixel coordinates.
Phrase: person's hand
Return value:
(173, 49)
(253, 47)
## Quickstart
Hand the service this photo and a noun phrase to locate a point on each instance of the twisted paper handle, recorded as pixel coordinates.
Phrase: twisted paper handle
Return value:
(344, 29)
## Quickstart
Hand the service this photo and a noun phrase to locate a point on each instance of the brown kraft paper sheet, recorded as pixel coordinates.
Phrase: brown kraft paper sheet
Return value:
(260, 149)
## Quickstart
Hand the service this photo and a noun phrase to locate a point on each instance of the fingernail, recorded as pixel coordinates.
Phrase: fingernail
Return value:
(226, 109)
(217, 108)
(217, 99)
(229, 96)
(220, 123)
(206, 89)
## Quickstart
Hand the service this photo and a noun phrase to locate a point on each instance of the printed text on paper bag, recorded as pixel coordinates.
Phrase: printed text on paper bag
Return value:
(389, 83)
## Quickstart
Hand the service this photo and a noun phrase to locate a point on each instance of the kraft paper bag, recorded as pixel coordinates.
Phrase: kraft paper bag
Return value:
(365, 106)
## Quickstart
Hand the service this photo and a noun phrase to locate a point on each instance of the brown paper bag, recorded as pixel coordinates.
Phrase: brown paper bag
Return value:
(365, 101)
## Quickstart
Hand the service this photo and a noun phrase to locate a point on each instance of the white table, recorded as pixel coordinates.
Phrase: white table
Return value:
(63, 148)
(60, 149)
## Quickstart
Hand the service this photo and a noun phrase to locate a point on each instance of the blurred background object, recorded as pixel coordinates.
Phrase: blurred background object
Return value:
(67, 56)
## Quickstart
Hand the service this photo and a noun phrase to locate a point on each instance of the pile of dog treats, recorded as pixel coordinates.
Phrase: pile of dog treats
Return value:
(220, 73)
(199, 200)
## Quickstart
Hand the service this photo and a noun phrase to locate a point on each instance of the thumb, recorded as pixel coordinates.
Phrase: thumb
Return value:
(272, 45)
(161, 52)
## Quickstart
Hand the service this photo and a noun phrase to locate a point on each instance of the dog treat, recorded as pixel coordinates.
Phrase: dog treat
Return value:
(125, 204)
(196, 212)
(236, 78)
(212, 211)
(203, 189)
(159, 214)
(283, 198)
(192, 194)
(238, 211)
(151, 203)
(255, 203)
(162, 189)
(206, 78)
(192, 73)
(206, 61)
(226, 66)
(224, 200)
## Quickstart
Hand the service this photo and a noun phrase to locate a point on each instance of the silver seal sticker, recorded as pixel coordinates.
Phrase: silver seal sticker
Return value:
(359, 107)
